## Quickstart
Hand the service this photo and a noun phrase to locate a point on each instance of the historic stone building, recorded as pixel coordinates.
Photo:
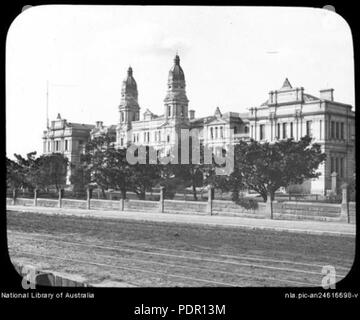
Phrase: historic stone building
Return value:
(69, 138)
(162, 131)
(287, 113)
(291, 113)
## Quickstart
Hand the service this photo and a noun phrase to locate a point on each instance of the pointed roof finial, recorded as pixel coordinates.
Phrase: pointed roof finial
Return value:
(177, 59)
(130, 71)
(58, 117)
(218, 112)
(286, 84)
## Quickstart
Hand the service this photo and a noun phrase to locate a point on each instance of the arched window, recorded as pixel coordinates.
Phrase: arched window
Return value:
(169, 111)
(216, 132)
(246, 129)
(121, 116)
(212, 133)
(221, 132)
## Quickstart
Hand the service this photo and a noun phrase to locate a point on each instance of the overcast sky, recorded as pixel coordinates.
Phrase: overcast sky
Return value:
(232, 57)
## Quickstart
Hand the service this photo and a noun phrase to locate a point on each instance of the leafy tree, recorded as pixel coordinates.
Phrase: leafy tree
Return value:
(37, 172)
(15, 177)
(265, 167)
(91, 168)
(194, 174)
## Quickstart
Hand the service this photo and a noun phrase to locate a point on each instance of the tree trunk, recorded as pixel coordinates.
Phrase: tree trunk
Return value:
(194, 192)
(123, 193)
(103, 193)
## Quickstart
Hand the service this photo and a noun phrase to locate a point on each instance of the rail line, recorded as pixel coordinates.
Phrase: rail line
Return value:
(184, 257)
(240, 256)
(246, 275)
(127, 268)
(185, 267)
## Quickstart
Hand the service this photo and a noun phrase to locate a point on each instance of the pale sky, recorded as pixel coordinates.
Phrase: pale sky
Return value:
(232, 57)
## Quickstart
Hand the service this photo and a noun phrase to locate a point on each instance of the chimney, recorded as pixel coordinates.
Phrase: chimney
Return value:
(327, 94)
(192, 114)
(99, 124)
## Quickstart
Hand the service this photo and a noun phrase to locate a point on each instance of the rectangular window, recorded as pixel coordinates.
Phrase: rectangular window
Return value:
(169, 111)
(168, 138)
(332, 135)
(49, 149)
(144, 136)
(337, 130)
(308, 128)
(342, 135)
(320, 124)
(337, 165)
(332, 165)
(56, 145)
(262, 132)
(284, 130)
(66, 145)
(278, 131)
(341, 167)
(291, 130)
(216, 132)
(252, 131)
(122, 141)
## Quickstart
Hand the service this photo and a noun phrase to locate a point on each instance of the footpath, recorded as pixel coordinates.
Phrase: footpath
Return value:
(307, 227)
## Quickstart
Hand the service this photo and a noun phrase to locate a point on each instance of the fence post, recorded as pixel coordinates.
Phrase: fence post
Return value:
(60, 197)
(269, 206)
(35, 197)
(14, 196)
(122, 203)
(344, 214)
(210, 199)
(161, 208)
(88, 198)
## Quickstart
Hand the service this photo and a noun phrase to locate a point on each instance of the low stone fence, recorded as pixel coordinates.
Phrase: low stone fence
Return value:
(346, 211)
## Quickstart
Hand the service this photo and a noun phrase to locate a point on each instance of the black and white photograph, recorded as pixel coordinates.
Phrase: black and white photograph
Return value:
(180, 146)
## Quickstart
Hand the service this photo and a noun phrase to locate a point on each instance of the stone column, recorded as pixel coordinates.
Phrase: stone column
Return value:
(161, 201)
(14, 196)
(334, 182)
(210, 199)
(344, 215)
(35, 197)
(60, 197)
(88, 198)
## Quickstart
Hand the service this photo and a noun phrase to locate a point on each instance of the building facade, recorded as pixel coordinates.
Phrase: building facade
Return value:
(291, 113)
(287, 113)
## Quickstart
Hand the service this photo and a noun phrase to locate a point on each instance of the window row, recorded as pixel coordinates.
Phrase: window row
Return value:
(337, 130)
(337, 165)
(182, 111)
(57, 146)
(283, 130)
(132, 116)
(216, 132)
(147, 137)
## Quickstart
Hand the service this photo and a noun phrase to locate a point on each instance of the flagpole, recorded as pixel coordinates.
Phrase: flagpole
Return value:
(47, 104)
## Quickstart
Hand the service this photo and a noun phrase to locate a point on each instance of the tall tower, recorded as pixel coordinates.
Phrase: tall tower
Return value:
(128, 109)
(129, 106)
(176, 101)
